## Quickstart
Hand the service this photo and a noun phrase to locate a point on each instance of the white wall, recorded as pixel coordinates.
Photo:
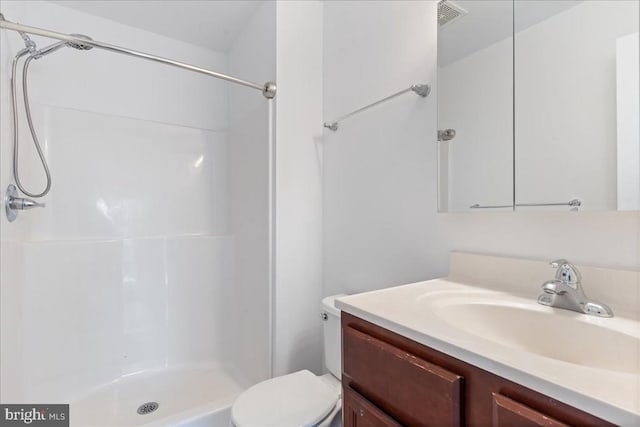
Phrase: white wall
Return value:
(380, 220)
(252, 56)
(298, 197)
(380, 166)
(628, 121)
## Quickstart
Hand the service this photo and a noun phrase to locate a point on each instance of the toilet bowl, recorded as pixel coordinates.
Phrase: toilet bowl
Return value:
(301, 398)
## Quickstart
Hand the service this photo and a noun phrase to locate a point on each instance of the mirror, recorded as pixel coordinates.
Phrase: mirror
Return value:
(545, 120)
(576, 104)
(475, 104)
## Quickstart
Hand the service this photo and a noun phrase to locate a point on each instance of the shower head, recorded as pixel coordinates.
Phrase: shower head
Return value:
(56, 46)
(78, 44)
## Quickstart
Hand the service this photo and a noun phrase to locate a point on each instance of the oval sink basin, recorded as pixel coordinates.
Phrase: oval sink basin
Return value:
(552, 333)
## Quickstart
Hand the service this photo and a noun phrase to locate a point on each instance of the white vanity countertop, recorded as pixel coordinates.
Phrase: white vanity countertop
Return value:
(415, 311)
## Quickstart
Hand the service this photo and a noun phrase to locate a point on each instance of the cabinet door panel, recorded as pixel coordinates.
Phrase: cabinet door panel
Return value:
(358, 412)
(410, 389)
(509, 413)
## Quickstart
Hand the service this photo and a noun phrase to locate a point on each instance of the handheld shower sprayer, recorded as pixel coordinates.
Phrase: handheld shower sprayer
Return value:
(77, 44)
(32, 52)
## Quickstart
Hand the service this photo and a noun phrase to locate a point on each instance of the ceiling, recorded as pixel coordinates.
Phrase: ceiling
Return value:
(489, 21)
(207, 23)
(215, 24)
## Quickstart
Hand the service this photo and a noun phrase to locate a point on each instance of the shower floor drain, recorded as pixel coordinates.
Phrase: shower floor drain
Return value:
(147, 408)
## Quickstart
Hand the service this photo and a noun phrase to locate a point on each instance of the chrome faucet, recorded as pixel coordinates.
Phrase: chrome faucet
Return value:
(565, 291)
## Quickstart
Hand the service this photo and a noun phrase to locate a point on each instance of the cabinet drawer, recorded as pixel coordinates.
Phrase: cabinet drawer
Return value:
(358, 412)
(509, 413)
(410, 389)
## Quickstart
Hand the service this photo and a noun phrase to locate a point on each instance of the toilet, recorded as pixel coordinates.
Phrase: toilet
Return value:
(301, 398)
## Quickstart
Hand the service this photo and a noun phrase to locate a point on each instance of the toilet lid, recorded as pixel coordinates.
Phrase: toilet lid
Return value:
(294, 400)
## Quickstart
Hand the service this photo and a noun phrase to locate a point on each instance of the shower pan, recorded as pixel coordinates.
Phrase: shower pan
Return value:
(141, 293)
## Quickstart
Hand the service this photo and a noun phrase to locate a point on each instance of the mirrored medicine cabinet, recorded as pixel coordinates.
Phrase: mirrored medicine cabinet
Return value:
(538, 105)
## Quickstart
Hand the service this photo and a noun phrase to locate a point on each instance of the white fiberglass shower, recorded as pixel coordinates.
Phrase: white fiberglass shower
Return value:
(146, 278)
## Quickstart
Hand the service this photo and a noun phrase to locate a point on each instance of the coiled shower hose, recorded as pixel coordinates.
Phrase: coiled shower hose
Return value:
(34, 136)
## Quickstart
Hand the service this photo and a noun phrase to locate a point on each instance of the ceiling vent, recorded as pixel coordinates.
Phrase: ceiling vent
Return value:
(448, 11)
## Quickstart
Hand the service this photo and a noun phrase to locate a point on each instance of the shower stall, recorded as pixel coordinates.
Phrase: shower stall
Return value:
(141, 292)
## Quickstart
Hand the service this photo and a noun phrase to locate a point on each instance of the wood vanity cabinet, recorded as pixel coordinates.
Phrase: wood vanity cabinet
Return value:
(390, 380)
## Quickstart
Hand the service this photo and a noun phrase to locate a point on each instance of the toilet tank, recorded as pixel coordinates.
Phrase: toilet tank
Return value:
(332, 335)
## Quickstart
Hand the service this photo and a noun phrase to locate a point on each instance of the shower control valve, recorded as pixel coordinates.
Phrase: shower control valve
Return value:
(13, 203)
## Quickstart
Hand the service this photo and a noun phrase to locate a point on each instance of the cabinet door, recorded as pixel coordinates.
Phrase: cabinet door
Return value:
(412, 390)
(359, 412)
(509, 413)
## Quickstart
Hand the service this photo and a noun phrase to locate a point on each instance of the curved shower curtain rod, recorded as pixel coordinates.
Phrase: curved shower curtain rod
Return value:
(268, 89)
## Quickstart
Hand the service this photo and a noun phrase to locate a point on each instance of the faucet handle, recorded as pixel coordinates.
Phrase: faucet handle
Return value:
(567, 273)
(557, 263)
